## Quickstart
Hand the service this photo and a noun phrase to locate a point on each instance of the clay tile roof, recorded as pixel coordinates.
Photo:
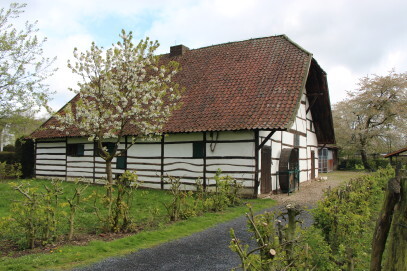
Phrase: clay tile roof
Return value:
(251, 84)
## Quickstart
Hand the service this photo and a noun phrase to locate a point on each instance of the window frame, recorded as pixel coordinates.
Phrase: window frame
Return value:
(198, 150)
(75, 149)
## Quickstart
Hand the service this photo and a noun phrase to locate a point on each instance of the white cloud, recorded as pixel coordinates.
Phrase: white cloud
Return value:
(348, 38)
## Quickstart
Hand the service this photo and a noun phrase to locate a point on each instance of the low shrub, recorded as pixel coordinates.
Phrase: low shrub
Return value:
(379, 163)
(25, 154)
(184, 204)
(9, 148)
(281, 247)
(346, 218)
(8, 157)
(350, 164)
(10, 171)
(181, 205)
(117, 203)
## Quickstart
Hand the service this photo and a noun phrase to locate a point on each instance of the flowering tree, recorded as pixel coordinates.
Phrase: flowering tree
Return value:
(124, 90)
(23, 69)
(372, 114)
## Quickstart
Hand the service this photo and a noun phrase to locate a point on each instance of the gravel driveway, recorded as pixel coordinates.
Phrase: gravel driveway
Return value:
(209, 249)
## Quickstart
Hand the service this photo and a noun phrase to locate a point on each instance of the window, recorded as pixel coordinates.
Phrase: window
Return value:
(310, 126)
(121, 162)
(296, 140)
(108, 145)
(75, 149)
(198, 150)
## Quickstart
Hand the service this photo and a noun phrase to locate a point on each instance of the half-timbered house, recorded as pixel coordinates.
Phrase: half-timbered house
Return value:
(256, 109)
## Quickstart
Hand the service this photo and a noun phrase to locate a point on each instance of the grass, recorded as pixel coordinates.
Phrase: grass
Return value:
(69, 256)
(343, 175)
(145, 201)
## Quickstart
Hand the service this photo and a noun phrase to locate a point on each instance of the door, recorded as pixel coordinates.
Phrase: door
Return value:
(265, 187)
(312, 165)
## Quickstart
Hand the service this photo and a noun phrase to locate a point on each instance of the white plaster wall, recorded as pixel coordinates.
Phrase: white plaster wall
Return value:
(231, 149)
(178, 150)
(183, 137)
(50, 158)
(285, 139)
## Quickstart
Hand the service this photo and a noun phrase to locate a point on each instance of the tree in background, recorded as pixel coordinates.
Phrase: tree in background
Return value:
(18, 125)
(124, 90)
(23, 69)
(373, 116)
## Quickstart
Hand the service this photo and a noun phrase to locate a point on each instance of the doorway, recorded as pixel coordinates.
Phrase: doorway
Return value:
(265, 187)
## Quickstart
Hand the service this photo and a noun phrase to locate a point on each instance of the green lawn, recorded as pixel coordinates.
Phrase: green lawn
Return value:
(145, 201)
(157, 230)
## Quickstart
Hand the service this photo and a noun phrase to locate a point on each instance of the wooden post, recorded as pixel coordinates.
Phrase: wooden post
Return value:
(162, 161)
(383, 224)
(397, 245)
(94, 160)
(35, 159)
(66, 159)
(256, 162)
(204, 160)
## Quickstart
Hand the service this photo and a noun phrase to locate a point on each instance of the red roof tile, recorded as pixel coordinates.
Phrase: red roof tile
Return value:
(252, 84)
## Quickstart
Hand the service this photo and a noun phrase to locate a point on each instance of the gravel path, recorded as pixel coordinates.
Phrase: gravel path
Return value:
(209, 249)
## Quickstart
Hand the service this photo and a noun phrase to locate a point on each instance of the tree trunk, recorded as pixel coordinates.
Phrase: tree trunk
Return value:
(71, 224)
(397, 256)
(383, 224)
(109, 177)
(364, 159)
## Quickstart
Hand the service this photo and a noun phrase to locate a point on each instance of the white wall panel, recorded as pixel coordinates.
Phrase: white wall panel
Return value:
(288, 138)
(231, 149)
(53, 150)
(178, 150)
(47, 156)
(47, 172)
(50, 145)
(183, 137)
(51, 162)
(144, 150)
(49, 167)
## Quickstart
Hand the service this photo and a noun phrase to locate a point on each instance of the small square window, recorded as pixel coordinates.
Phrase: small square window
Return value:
(75, 149)
(121, 162)
(198, 150)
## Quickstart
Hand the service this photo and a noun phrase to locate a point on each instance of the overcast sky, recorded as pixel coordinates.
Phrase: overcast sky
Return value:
(349, 38)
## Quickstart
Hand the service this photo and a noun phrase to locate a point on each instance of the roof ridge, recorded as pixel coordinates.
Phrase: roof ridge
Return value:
(239, 41)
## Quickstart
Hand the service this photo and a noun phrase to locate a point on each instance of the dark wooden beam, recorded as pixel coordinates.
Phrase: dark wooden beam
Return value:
(323, 146)
(204, 160)
(94, 161)
(66, 159)
(162, 161)
(311, 104)
(266, 139)
(256, 161)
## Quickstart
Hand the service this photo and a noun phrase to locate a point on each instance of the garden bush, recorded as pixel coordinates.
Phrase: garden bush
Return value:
(340, 238)
(9, 148)
(117, 203)
(8, 157)
(351, 164)
(379, 163)
(185, 204)
(10, 171)
(346, 218)
(25, 155)
(282, 247)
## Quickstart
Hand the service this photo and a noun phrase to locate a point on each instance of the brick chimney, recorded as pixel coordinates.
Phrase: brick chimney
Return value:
(178, 50)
